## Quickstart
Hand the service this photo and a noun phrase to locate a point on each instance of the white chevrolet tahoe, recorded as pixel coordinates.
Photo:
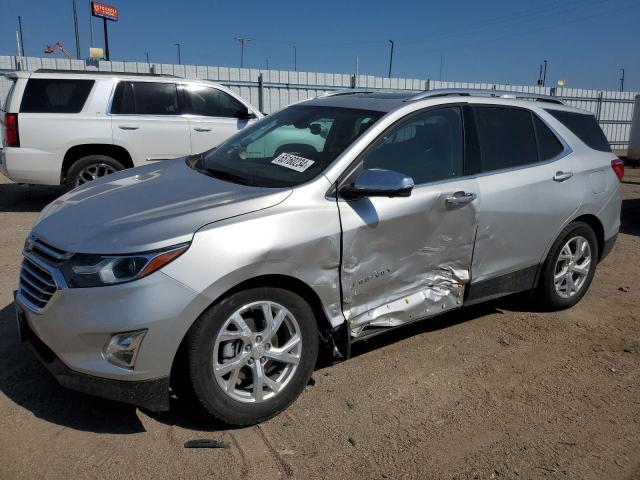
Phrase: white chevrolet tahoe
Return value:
(70, 127)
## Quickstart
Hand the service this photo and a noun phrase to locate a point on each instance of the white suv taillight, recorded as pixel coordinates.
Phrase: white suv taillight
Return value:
(618, 168)
(11, 130)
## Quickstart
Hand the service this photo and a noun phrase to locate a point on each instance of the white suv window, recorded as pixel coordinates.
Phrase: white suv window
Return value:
(211, 102)
(145, 98)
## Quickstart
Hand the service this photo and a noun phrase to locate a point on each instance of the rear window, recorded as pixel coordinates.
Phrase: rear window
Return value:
(585, 127)
(145, 98)
(55, 95)
(506, 137)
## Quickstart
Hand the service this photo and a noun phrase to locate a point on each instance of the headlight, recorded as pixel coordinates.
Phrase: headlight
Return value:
(87, 270)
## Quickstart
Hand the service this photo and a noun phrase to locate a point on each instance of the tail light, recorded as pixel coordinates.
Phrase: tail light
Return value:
(618, 168)
(11, 129)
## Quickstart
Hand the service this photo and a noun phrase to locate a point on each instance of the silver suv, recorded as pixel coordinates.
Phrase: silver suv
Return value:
(221, 274)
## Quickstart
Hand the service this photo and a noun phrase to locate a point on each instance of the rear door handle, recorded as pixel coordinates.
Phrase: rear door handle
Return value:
(460, 198)
(562, 176)
(128, 127)
(201, 129)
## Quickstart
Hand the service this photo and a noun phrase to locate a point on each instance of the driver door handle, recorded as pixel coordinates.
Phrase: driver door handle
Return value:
(562, 176)
(128, 127)
(460, 198)
(201, 129)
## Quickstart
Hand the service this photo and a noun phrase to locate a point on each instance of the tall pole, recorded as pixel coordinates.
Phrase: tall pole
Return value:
(179, 56)
(106, 40)
(242, 41)
(441, 62)
(75, 27)
(621, 79)
(295, 59)
(357, 70)
(544, 74)
(540, 76)
(390, 58)
(20, 30)
(91, 22)
(147, 55)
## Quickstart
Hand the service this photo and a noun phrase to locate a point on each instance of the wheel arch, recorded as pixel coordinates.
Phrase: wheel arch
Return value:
(79, 151)
(597, 227)
(287, 282)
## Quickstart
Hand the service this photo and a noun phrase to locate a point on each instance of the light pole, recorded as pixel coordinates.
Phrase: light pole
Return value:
(146, 55)
(544, 74)
(242, 41)
(390, 58)
(75, 27)
(621, 76)
(179, 56)
(21, 39)
(295, 59)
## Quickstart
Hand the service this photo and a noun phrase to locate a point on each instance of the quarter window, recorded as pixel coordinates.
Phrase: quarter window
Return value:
(145, 98)
(55, 95)
(506, 137)
(585, 127)
(548, 144)
(427, 147)
(211, 102)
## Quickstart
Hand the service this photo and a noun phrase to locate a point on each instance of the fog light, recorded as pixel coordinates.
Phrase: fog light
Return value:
(122, 349)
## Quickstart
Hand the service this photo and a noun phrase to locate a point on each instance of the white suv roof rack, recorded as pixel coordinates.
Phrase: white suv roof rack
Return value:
(477, 92)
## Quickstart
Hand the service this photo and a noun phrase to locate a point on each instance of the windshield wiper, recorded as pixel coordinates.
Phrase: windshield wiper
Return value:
(226, 176)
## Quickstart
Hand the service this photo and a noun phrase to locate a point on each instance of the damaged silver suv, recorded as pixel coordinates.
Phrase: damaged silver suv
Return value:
(221, 274)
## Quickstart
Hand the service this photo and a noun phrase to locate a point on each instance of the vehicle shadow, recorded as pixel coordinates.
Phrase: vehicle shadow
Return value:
(27, 383)
(26, 198)
(630, 216)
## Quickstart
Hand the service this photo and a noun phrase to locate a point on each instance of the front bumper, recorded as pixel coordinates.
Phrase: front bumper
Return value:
(70, 332)
(151, 394)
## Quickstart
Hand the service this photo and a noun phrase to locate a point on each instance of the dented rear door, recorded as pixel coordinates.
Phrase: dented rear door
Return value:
(409, 258)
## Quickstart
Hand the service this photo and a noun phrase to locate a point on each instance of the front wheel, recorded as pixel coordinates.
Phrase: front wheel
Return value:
(569, 268)
(251, 355)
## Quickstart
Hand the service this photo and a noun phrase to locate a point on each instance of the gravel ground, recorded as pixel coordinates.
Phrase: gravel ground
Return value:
(493, 391)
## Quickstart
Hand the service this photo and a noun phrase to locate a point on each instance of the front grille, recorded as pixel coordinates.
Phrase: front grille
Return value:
(39, 275)
(37, 284)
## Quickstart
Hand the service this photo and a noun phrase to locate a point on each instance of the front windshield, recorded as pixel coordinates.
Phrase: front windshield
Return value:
(287, 148)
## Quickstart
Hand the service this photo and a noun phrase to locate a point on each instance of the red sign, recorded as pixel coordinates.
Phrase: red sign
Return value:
(104, 11)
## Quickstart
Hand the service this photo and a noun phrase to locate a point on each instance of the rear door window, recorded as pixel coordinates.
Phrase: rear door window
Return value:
(211, 102)
(585, 127)
(55, 95)
(506, 136)
(145, 98)
(548, 144)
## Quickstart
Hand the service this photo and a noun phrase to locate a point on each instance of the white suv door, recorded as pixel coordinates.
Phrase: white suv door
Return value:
(147, 120)
(214, 116)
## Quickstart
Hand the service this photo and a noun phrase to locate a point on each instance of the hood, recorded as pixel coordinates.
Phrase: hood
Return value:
(146, 208)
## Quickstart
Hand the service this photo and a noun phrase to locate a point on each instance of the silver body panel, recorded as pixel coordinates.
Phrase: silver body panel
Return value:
(402, 259)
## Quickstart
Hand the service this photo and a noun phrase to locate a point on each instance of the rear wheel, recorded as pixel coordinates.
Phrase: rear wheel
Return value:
(251, 355)
(570, 267)
(90, 168)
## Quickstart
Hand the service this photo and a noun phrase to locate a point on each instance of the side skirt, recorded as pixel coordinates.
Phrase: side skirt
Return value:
(502, 285)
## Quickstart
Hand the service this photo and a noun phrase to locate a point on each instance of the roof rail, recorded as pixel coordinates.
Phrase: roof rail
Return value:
(346, 91)
(478, 92)
(103, 72)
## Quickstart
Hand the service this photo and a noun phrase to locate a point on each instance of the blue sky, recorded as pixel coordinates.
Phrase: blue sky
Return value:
(585, 41)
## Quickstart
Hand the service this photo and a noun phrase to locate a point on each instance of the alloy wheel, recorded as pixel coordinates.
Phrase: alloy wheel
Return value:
(92, 172)
(572, 267)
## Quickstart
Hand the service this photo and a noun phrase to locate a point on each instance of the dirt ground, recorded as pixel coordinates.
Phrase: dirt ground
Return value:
(493, 391)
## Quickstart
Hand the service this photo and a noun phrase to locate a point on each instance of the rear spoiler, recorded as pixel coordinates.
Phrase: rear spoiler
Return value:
(13, 76)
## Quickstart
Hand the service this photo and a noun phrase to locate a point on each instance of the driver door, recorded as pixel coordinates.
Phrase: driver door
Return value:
(407, 258)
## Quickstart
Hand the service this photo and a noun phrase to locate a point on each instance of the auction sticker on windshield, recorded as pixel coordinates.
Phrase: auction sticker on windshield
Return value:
(294, 162)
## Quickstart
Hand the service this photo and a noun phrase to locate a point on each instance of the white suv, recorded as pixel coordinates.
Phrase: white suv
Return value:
(62, 127)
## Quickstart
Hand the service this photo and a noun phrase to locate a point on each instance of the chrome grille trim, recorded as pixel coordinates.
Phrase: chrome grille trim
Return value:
(48, 252)
(39, 282)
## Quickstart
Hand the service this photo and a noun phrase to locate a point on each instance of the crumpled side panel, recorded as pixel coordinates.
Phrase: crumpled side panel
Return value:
(405, 258)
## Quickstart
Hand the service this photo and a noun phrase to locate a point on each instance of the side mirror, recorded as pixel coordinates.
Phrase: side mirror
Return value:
(379, 183)
(244, 114)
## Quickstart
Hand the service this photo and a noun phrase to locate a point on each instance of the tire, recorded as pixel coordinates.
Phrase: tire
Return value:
(548, 294)
(78, 172)
(238, 400)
